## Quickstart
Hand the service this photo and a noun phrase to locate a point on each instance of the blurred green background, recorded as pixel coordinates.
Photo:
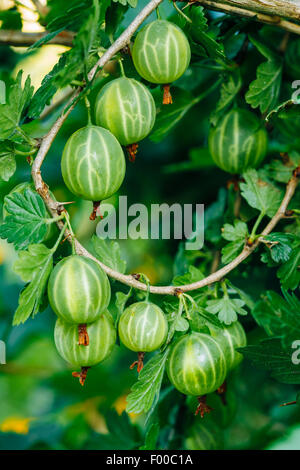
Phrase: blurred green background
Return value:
(42, 406)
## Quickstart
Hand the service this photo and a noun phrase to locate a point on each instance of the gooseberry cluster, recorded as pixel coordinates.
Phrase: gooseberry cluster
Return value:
(93, 168)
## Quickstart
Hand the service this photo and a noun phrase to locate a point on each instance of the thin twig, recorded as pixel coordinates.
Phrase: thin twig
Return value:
(21, 39)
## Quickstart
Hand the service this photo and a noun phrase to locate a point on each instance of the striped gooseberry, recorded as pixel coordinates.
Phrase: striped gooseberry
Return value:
(78, 292)
(239, 141)
(143, 328)
(161, 54)
(102, 334)
(127, 109)
(93, 164)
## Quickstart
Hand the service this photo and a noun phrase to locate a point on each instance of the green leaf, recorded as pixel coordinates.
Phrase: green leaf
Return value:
(47, 90)
(229, 90)
(7, 160)
(151, 437)
(17, 101)
(281, 170)
(35, 265)
(31, 261)
(27, 220)
(11, 19)
(131, 3)
(269, 355)
(289, 272)
(193, 275)
(227, 309)
(237, 235)
(198, 30)
(145, 392)
(278, 109)
(279, 316)
(71, 17)
(109, 253)
(73, 63)
(114, 16)
(260, 194)
(181, 324)
(46, 39)
(249, 302)
(264, 90)
(280, 246)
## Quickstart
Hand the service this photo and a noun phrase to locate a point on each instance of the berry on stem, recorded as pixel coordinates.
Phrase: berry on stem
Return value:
(239, 141)
(78, 290)
(127, 109)
(93, 164)
(161, 54)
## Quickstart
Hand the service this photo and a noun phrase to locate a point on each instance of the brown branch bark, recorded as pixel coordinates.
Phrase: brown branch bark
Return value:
(55, 207)
(282, 14)
(21, 39)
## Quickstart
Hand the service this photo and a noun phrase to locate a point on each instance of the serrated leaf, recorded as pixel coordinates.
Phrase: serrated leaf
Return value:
(11, 19)
(181, 324)
(264, 90)
(227, 309)
(27, 220)
(281, 170)
(237, 231)
(43, 40)
(71, 17)
(74, 62)
(17, 101)
(260, 194)
(47, 90)
(193, 275)
(229, 89)
(31, 260)
(145, 392)
(237, 235)
(198, 30)
(279, 316)
(280, 246)
(32, 296)
(109, 253)
(131, 3)
(280, 107)
(289, 272)
(269, 355)
(7, 160)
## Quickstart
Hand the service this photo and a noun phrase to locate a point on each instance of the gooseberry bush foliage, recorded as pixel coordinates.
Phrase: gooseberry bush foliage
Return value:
(237, 297)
